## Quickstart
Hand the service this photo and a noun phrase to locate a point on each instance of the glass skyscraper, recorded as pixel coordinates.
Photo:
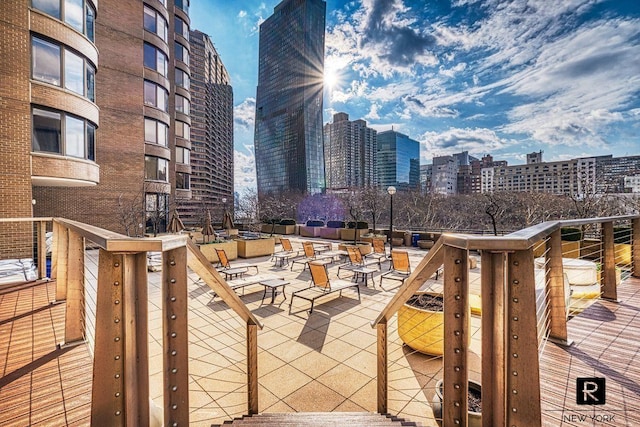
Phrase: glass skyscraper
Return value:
(288, 124)
(398, 160)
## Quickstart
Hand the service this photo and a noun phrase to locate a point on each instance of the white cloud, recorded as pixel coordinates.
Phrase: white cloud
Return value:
(244, 114)
(477, 141)
(244, 169)
(373, 113)
(242, 14)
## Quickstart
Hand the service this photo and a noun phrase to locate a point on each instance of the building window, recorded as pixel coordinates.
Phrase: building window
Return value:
(78, 14)
(155, 168)
(155, 59)
(182, 28)
(182, 79)
(47, 58)
(182, 104)
(183, 4)
(157, 211)
(182, 53)
(183, 155)
(155, 23)
(45, 61)
(155, 132)
(183, 181)
(183, 130)
(155, 96)
(77, 139)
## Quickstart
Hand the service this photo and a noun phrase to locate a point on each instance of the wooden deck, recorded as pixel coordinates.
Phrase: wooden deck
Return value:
(606, 344)
(42, 384)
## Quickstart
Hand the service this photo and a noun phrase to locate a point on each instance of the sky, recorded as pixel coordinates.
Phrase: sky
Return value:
(496, 77)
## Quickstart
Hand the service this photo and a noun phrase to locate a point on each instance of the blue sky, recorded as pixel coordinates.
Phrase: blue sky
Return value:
(492, 77)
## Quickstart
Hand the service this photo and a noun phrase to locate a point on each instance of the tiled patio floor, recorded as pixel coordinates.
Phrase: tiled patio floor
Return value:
(324, 361)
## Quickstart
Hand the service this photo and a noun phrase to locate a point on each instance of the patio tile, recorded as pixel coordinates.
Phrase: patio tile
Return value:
(285, 381)
(366, 396)
(339, 350)
(314, 397)
(289, 350)
(314, 364)
(344, 380)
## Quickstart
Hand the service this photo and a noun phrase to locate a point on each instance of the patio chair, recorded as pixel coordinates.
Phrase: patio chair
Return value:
(228, 269)
(310, 255)
(400, 267)
(321, 286)
(282, 257)
(358, 266)
(379, 251)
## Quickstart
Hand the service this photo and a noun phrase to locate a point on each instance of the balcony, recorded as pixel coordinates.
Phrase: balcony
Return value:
(242, 354)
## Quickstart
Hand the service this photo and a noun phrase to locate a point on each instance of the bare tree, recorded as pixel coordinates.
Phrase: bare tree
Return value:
(375, 202)
(131, 213)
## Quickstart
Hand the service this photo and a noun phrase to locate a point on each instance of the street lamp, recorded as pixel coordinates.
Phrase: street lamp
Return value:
(391, 190)
(224, 215)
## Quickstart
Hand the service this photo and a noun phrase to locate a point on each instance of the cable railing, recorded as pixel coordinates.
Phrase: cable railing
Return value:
(110, 298)
(530, 284)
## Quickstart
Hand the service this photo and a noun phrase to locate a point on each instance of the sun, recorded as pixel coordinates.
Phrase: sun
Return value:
(330, 77)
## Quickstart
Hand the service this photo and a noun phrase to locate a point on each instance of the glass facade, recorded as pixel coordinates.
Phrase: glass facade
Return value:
(59, 133)
(288, 129)
(75, 13)
(398, 160)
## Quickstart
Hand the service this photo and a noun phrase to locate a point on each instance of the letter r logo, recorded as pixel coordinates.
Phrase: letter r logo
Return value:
(590, 391)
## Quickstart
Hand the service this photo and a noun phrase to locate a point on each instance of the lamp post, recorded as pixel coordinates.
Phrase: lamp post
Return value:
(391, 190)
(224, 215)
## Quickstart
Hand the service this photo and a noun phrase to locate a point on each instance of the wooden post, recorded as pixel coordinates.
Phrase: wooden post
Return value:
(136, 339)
(635, 249)
(252, 368)
(556, 304)
(62, 264)
(522, 363)
(42, 249)
(609, 288)
(57, 233)
(456, 337)
(120, 394)
(108, 391)
(74, 313)
(176, 339)
(493, 345)
(383, 368)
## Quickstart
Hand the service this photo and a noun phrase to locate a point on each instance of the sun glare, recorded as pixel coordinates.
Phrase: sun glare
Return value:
(331, 75)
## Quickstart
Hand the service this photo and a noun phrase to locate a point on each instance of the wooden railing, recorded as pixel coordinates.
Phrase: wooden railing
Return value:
(510, 350)
(120, 393)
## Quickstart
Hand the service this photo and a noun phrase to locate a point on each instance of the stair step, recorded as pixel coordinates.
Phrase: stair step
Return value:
(319, 419)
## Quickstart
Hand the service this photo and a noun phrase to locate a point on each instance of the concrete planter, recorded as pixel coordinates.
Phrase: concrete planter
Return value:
(352, 233)
(209, 250)
(250, 248)
(364, 247)
(330, 233)
(474, 419)
(308, 231)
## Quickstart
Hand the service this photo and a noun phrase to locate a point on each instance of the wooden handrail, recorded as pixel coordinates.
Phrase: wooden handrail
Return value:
(203, 268)
(427, 267)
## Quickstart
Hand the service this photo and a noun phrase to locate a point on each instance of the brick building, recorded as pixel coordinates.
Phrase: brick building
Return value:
(106, 129)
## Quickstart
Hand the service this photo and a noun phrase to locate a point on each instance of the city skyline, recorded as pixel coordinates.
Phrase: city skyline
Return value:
(487, 77)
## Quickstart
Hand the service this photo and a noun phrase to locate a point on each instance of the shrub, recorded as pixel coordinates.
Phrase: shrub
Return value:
(287, 221)
(315, 223)
(361, 225)
(569, 234)
(335, 224)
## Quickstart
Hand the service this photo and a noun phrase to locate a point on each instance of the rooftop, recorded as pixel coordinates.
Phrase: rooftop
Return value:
(324, 361)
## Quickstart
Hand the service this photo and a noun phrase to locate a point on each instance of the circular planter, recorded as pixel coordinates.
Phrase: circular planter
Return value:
(423, 330)
(474, 419)
(425, 244)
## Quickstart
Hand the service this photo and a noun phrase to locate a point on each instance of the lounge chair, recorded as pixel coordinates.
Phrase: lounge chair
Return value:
(321, 286)
(400, 267)
(379, 251)
(228, 269)
(358, 266)
(310, 255)
(287, 253)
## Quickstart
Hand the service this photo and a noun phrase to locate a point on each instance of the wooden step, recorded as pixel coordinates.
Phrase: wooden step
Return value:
(319, 419)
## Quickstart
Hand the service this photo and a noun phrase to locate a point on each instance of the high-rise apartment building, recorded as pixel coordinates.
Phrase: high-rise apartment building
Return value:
(49, 113)
(349, 153)
(570, 177)
(398, 160)
(611, 173)
(142, 93)
(288, 122)
(211, 155)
